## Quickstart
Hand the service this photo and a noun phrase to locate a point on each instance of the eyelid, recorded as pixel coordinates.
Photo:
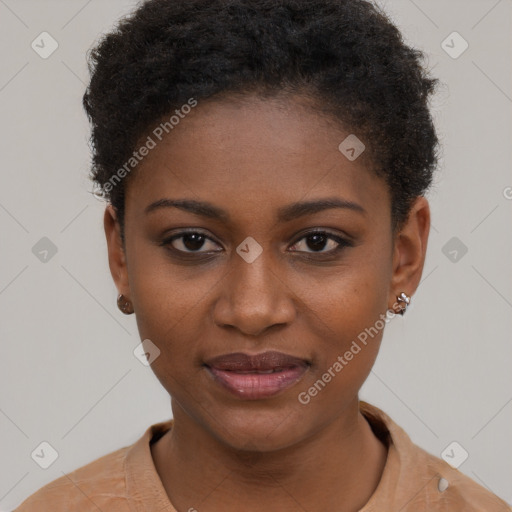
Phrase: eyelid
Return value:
(323, 231)
(341, 240)
(168, 239)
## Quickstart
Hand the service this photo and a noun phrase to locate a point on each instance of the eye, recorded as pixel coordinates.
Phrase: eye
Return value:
(191, 242)
(196, 242)
(317, 241)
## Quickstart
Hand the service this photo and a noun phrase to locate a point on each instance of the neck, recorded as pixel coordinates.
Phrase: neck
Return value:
(341, 464)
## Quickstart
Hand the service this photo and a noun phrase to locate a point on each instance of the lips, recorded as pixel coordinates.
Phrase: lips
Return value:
(258, 376)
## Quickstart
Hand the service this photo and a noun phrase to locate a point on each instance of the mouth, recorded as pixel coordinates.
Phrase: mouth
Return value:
(258, 376)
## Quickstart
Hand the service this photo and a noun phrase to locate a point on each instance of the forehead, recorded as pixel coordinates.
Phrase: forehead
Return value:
(254, 155)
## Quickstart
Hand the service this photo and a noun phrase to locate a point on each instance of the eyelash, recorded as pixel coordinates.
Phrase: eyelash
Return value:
(342, 243)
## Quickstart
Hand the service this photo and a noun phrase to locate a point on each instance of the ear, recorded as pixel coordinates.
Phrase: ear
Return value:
(410, 247)
(116, 252)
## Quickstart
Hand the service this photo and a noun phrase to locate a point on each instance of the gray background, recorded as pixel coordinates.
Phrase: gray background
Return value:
(67, 372)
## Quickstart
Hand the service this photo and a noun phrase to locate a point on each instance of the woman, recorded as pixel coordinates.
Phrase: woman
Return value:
(266, 164)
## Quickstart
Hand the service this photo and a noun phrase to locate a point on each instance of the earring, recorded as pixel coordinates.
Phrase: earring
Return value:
(124, 305)
(405, 300)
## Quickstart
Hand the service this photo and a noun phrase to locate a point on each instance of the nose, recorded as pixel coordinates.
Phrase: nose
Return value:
(254, 297)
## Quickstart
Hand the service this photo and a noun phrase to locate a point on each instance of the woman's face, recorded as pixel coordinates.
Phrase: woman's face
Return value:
(254, 278)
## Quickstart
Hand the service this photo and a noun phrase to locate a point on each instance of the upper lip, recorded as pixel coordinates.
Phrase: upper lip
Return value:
(270, 360)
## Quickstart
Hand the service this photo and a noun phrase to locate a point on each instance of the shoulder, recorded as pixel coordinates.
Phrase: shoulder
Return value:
(452, 490)
(99, 485)
(415, 480)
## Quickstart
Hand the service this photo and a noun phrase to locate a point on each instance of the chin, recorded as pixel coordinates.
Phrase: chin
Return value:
(259, 431)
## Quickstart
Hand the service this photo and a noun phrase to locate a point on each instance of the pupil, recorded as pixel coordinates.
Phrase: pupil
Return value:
(318, 242)
(193, 241)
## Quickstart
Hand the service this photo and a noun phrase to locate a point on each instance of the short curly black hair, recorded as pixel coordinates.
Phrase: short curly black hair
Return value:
(346, 55)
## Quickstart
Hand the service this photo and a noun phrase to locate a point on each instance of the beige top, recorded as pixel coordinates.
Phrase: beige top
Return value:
(126, 480)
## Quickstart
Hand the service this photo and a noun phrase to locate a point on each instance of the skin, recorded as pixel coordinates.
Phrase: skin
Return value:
(251, 158)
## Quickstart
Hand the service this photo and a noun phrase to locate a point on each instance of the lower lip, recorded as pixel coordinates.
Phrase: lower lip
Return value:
(254, 386)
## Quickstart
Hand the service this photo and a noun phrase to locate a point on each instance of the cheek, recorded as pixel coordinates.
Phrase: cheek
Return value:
(169, 305)
(350, 315)
(166, 296)
(348, 298)
(171, 325)
(352, 332)
(336, 385)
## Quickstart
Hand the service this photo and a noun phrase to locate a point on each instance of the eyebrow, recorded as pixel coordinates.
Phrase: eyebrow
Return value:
(284, 214)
